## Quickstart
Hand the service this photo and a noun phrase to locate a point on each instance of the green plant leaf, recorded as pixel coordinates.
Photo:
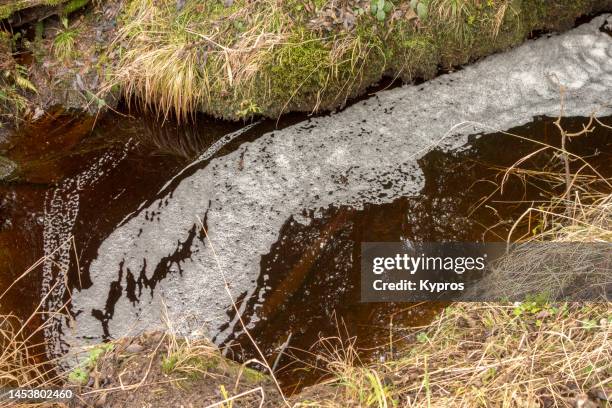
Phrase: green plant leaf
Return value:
(25, 84)
(413, 4)
(374, 7)
(388, 6)
(381, 15)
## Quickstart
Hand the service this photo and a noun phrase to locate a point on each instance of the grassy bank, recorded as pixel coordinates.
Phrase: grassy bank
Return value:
(238, 59)
(486, 355)
(243, 58)
(473, 355)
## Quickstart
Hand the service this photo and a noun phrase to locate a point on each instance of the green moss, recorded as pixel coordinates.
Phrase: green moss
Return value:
(254, 376)
(302, 65)
(250, 375)
(414, 54)
(80, 374)
(193, 366)
(74, 5)
(6, 10)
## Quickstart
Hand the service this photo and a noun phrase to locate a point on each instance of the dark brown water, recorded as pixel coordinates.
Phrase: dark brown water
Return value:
(313, 269)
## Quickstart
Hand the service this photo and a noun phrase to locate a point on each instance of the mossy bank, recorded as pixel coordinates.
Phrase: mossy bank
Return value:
(239, 59)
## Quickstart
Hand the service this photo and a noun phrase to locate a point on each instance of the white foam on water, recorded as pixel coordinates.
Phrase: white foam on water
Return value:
(341, 159)
(60, 213)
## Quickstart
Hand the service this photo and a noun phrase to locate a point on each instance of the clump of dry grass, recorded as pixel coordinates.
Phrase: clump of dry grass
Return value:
(178, 66)
(19, 366)
(214, 58)
(485, 355)
(349, 381)
(568, 256)
(576, 221)
(191, 357)
(23, 361)
(566, 247)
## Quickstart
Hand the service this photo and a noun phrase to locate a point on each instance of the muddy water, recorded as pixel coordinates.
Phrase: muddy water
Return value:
(118, 204)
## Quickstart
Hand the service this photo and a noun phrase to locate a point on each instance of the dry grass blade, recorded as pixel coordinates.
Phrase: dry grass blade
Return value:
(23, 359)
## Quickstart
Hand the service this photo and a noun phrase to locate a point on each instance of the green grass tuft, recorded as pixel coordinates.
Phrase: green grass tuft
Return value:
(64, 42)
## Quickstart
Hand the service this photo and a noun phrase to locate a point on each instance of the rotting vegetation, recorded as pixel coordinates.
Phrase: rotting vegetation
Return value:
(239, 59)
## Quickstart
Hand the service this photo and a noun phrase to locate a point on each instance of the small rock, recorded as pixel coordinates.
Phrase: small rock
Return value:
(228, 3)
(134, 348)
(38, 112)
(601, 395)
(7, 168)
(583, 401)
